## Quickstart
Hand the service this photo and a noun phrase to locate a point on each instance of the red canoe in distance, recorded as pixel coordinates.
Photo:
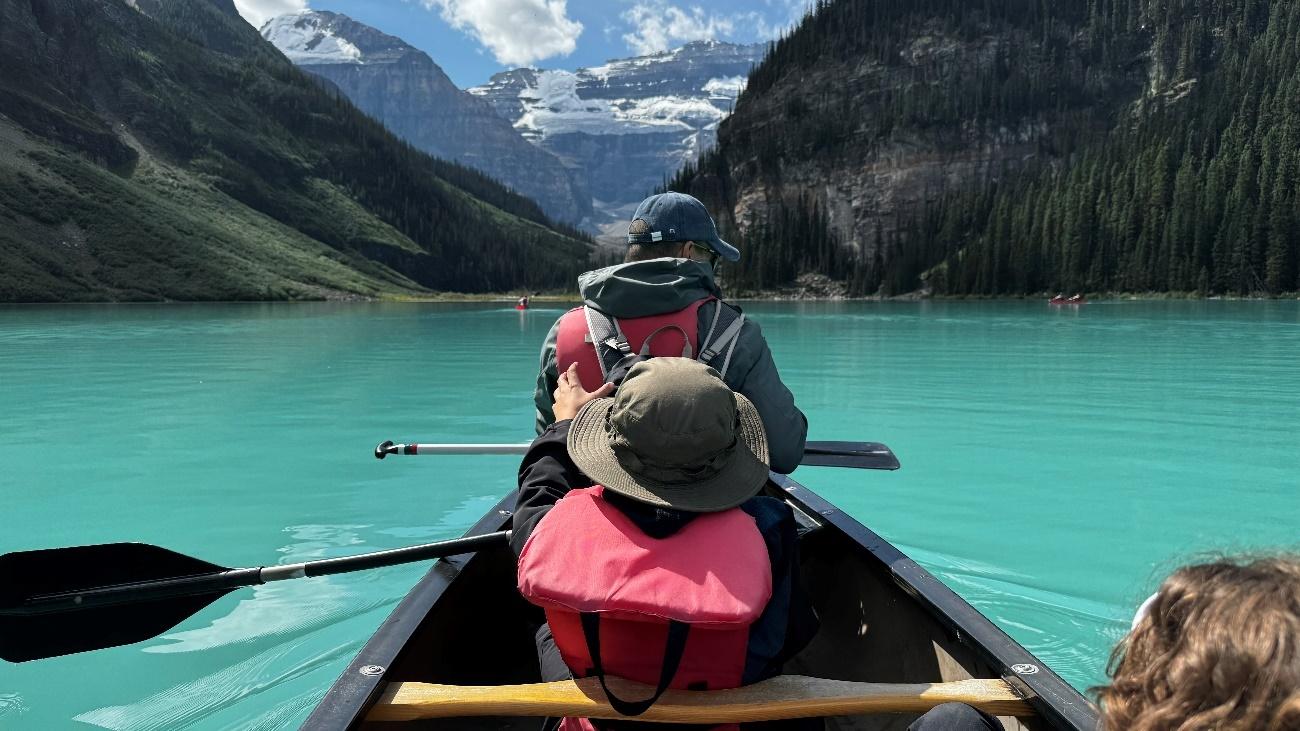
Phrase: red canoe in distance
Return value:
(1077, 299)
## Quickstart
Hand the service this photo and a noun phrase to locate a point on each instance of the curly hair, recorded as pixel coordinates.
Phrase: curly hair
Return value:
(1219, 650)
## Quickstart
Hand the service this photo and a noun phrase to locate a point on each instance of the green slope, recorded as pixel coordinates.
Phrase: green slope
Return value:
(168, 152)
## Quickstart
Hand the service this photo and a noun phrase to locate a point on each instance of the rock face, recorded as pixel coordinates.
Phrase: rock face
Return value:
(402, 87)
(631, 123)
(871, 121)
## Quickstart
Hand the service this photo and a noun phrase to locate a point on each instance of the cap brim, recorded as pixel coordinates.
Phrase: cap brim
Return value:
(742, 477)
(725, 250)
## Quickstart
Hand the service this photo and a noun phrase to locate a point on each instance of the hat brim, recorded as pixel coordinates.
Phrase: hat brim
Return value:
(725, 250)
(741, 478)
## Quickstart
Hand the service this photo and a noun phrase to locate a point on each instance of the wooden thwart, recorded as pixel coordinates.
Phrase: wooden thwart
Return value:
(787, 696)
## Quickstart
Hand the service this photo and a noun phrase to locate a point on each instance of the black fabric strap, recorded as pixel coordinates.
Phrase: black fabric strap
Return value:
(606, 338)
(722, 338)
(674, 648)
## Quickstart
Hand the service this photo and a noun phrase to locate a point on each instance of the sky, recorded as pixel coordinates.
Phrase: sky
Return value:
(473, 39)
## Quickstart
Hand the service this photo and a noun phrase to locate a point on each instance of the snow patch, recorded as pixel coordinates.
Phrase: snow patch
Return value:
(555, 110)
(557, 91)
(554, 107)
(306, 40)
(728, 87)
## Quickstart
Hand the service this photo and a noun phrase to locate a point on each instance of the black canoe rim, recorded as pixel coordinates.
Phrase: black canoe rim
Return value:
(351, 696)
(1052, 697)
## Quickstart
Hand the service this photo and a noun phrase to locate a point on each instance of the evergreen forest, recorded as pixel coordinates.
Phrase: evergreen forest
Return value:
(1163, 137)
(162, 149)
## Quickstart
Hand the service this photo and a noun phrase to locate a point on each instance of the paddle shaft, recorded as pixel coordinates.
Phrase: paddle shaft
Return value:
(786, 696)
(223, 581)
(866, 455)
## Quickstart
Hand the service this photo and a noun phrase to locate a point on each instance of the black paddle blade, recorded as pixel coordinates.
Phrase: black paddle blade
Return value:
(40, 615)
(859, 455)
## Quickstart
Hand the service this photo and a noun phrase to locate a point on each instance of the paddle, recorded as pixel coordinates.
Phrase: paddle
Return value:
(786, 696)
(64, 600)
(858, 455)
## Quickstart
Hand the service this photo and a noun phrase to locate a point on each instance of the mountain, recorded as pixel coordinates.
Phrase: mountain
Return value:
(630, 123)
(1016, 147)
(402, 87)
(161, 149)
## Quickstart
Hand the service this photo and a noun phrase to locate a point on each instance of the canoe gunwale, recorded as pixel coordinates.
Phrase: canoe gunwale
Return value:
(350, 698)
(1052, 697)
(354, 692)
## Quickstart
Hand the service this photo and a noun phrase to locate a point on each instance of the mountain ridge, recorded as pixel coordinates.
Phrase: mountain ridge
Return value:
(132, 170)
(629, 123)
(405, 89)
(1017, 148)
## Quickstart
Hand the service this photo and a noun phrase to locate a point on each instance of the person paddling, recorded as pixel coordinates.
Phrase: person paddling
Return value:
(664, 300)
(669, 570)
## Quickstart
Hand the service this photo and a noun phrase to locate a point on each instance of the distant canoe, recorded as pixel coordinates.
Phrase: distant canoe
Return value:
(1077, 299)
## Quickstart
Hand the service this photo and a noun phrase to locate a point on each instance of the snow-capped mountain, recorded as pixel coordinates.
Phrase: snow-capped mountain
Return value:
(629, 123)
(402, 87)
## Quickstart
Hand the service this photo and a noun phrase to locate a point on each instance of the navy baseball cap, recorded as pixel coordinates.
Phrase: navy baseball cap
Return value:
(671, 217)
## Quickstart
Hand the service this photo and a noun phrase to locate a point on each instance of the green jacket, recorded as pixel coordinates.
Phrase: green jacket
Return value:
(658, 286)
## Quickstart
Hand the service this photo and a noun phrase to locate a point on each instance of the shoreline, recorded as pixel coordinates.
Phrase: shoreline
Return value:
(743, 296)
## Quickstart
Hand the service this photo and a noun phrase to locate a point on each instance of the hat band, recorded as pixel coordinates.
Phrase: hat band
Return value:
(653, 237)
(666, 473)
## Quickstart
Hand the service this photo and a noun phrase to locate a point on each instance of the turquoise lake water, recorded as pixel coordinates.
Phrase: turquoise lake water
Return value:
(1056, 464)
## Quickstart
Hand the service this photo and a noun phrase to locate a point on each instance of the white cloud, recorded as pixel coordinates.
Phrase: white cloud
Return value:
(658, 26)
(257, 12)
(793, 12)
(518, 32)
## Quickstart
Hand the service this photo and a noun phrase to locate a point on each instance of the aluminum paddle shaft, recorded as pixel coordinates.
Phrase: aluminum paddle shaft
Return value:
(858, 455)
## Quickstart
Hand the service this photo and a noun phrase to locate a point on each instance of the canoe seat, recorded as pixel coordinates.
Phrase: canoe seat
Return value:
(787, 696)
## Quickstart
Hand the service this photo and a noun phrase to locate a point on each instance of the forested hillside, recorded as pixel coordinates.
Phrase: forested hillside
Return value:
(1010, 147)
(163, 150)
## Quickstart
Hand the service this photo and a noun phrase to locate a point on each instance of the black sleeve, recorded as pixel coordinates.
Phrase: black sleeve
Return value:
(545, 475)
(789, 621)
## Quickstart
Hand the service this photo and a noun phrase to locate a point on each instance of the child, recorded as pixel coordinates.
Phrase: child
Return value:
(671, 571)
(1218, 647)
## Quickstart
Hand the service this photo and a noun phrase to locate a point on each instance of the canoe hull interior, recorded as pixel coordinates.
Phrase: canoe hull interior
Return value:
(883, 620)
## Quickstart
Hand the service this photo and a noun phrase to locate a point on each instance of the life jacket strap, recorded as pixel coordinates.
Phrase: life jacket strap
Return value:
(607, 338)
(725, 343)
(686, 349)
(674, 648)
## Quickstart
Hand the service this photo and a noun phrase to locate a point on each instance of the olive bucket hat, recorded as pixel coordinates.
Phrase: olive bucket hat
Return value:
(674, 436)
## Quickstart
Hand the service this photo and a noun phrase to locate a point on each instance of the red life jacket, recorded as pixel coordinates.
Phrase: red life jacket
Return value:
(672, 612)
(673, 334)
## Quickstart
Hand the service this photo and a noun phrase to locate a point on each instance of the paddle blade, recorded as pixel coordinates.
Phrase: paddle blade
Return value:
(39, 636)
(30, 631)
(859, 455)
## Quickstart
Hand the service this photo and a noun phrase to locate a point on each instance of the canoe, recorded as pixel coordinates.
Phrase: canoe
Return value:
(884, 619)
(1076, 300)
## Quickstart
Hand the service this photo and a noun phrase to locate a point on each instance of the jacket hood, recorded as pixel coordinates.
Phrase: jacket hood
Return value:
(644, 288)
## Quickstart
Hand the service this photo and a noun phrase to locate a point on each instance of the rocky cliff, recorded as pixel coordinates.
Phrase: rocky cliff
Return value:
(1015, 147)
(402, 87)
(870, 111)
(631, 123)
